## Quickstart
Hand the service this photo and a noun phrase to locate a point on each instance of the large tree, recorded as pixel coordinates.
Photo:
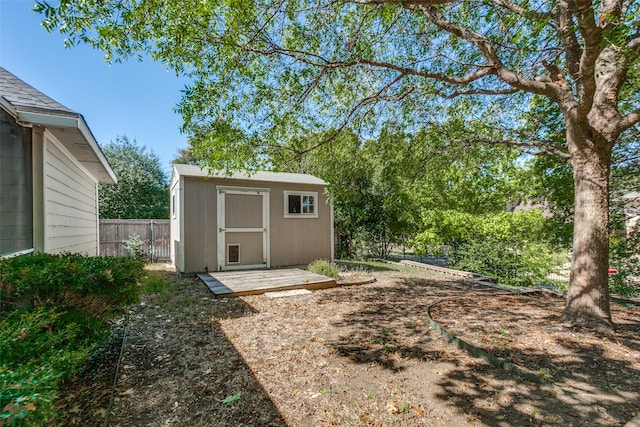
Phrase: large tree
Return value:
(142, 188)
(269, 65)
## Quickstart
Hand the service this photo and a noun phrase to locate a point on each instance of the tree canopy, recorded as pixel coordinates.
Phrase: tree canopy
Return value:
(276, 68)
(142, 188)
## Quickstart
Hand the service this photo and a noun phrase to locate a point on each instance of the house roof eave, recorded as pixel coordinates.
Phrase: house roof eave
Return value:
(100, 168)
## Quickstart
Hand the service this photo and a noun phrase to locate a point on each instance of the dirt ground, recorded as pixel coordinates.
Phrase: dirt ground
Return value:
(357, 355)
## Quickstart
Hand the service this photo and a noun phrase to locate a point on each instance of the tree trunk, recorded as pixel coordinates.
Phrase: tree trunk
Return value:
(588, 295)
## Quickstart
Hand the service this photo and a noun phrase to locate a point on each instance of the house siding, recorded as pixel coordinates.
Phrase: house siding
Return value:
(70, 203)
(16, 219)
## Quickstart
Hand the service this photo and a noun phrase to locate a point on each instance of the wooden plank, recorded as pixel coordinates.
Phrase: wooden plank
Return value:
(268, 281)
(228, 284)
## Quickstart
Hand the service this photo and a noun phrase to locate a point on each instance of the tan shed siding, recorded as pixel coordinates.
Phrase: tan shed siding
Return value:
(250, 247)
(242, 210)
(293, 241)
(298, 241)
(200, 221)
(70, 204)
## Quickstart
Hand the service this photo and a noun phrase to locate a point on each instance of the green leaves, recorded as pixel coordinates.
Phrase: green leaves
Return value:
(230, 400)
(54, 313)
(142, 188)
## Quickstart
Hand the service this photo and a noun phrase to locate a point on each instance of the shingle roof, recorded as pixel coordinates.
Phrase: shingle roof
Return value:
(25, 97)
(291, 178)
(29, 105)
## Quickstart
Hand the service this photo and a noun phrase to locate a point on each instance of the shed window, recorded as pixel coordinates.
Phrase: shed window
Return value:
(16, 188)
(303, 204)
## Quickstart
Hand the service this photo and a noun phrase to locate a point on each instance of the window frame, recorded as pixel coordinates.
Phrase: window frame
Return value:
(302, 194)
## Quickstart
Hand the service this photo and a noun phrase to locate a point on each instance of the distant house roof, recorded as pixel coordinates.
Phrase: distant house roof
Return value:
(29, 106)
(284, 177)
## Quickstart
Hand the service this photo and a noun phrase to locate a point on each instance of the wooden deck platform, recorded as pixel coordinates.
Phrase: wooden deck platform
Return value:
(251, 282)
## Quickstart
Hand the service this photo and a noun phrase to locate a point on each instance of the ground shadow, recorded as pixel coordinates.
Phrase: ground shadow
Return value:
(592, 377)
(179, 368)
(392, 323)
(389, 330)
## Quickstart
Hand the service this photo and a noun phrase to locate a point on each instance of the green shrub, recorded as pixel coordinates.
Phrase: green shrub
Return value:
(53, 314)
(625, 257)
(321, 266)
(26, 396)
(38, 349)
(512, 262)
(136, 247)
(96, 286)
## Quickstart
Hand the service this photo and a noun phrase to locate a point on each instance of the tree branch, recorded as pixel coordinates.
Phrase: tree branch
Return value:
(372, 99)
(629, 120)
(540, 148)
(521, 11)
(549, 89)
(403, 3)
(564, 28)
(318, 61)
(592, 35)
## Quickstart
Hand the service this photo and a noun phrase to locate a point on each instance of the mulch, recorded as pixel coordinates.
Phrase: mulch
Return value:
(359, 355)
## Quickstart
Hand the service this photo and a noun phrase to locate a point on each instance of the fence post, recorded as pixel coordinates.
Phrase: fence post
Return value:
(152, 239)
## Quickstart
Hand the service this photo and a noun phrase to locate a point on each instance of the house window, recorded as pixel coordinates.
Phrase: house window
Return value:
(173, 205)
(16, 187)
(300, 204)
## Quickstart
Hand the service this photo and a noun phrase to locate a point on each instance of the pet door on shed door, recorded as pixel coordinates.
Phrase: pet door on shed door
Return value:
(233, 254)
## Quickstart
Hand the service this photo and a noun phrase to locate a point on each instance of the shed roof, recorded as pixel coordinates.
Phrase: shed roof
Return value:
(30, 106)
(265, 176)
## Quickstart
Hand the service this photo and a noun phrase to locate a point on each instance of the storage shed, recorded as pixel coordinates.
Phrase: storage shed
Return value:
(50, 167)
(247, 221)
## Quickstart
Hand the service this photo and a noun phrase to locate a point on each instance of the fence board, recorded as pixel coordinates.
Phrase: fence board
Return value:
(154, 232)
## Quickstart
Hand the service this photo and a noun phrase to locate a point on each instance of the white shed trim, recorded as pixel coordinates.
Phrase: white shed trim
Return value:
(221, 190)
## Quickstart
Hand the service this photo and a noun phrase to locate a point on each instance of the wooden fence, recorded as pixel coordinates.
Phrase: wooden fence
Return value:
(155, 233)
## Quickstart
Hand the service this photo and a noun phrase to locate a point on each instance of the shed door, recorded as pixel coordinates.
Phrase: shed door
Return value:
(243, 228)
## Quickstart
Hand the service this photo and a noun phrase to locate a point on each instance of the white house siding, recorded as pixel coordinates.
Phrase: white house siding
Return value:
(70, 203)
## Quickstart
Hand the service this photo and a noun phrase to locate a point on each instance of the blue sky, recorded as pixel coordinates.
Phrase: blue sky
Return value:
(133, 98)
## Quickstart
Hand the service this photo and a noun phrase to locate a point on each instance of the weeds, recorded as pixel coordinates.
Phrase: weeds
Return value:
(230, 400)
(321, 266)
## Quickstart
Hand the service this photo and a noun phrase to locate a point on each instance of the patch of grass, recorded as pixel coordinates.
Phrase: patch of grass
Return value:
(230, 400)
(367, 266)
(504, 333)
(544, 374)
(321, 266)
(156, 283)
(382, 267)
(404, 408)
